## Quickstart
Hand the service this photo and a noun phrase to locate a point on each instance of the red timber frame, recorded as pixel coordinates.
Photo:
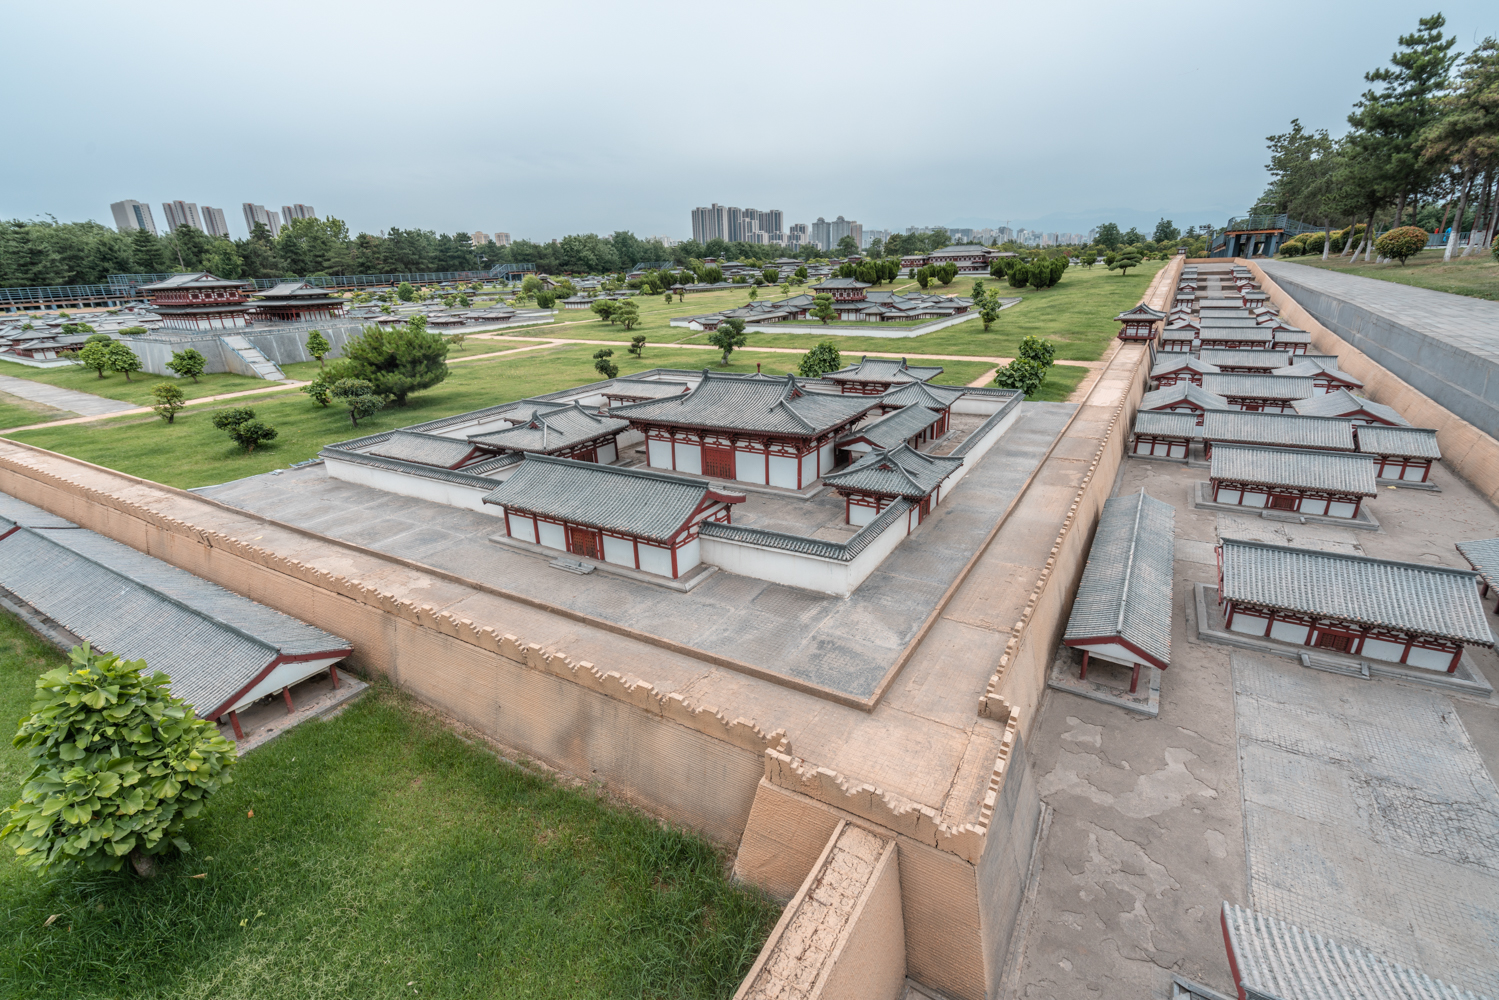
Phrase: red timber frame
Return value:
(290, 312)
(740, 442)
(1287, 498)
(583, 451)
(1395, 467)
(1229, 344)
(1166, 447)
(582, 537)
(1339, 635)
(1182, 406)
(1328, 382)
(265, 672)
(855, 387)
(1262, 404)
(1113, 640)
(1137, 329)
(1173, 342)
(1166, 379)
(922, 507)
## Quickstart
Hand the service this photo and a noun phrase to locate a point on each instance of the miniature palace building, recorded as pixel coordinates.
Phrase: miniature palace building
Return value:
(1168, 371)
(1163, 433)
(1409, 613)
(199, 301)
(1269, 393)
(884, 475)
(634, 518)
(1402, 453)
(1139, 322)
(872, 376)
(1184, 397)
(1342, 403)
(1276, 430)
(767, 431)
(1299, 480)
(1248, 362)
(1122, 612)
(295, 301)
(561, 431)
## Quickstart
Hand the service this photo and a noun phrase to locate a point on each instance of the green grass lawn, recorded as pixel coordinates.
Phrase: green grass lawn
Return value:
(386, 858)
(17, 412)
(1060, 381)
(138, 389)
(1477, 276)
(190, 452)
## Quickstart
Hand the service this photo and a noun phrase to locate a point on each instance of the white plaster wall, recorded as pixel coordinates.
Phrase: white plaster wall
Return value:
(860, 515)
(283, 675)
(608, 453)
(655, 559)
(1338, 509)
(658, 454)
(749, 466)
(783, 471)
(827, 457)
(620, 551)
(1248, 624)
(688, 556)
(795, 569)
(1433, 659)
(1378, 649)
(437, 490)
(689, 458)
(1290, 632)
(523, 527)
(978, 404)
(809, 468)
(552, 535)
(1115, 653)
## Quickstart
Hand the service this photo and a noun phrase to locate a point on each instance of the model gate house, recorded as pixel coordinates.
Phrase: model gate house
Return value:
(645, 473)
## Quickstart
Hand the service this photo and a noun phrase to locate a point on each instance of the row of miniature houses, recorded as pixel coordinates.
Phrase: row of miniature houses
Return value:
(851, 303)
(1413, 614)
(1249, 322)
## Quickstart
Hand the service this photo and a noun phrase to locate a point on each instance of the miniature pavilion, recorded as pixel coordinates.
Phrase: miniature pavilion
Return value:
(1184, 397)
(872, 376)
(1402, 453)
(561, 431)
(881, 476)
(1275, 430)
(1342, 403)
(1139, 322)
(295, 301)
(199, 301)
(1268, 393)
(1295, 480)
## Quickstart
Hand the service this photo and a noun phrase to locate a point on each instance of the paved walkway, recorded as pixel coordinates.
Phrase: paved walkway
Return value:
(85, 403)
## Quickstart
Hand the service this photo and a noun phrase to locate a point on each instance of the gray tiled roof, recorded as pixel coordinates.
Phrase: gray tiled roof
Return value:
(775, 406)
(898, 471)
(1126, 586)
(548, 430)
(1318, 366)
(424, 449)
(195, 279)
(1277, 959)
(1413, 597)
(1302, 468)
(1141, 311)
(1278, 429)
(1483, 555)
(1341, 402)
(842, 283)
(845, 551)
(1407, 442)
(884, 370)
(894, 427)
(298, 291)
(14, 512)
(935, 396)
(1165, 423)
(1260, 386)
(211, 642)
(636, 501)
(1241, 335)
(1183, 392)
(644, 388)
(1167, 364)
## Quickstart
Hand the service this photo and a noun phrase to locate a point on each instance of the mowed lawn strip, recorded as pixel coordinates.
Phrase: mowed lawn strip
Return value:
(1477, 276)
(138, 389)
(386, 857)
(191, 452)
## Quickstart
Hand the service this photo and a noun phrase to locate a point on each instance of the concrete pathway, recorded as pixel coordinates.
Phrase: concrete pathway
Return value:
(131, 409)
(85, 403)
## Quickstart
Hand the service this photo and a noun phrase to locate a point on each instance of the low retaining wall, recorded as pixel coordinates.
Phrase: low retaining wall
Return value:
(1466, 449)
(451, 487)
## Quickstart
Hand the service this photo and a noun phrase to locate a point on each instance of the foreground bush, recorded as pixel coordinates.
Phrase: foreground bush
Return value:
(1402, 244)
(121, 766)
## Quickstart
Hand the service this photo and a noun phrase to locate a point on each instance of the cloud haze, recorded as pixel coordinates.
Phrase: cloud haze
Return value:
(545, 119)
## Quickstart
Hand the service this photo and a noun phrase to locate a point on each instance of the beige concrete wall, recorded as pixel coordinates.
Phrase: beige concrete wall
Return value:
(670, 757)
(869, 960)
(1466, 450)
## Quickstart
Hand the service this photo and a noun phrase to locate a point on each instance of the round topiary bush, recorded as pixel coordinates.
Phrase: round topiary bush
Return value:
(1403, 243)
(1291, 249)
(119, 765)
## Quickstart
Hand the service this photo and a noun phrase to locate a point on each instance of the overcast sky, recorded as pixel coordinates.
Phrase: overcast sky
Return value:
(546, 119)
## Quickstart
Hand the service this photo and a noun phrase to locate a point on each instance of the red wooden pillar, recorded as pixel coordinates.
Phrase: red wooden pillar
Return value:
(239, 733)
(286, 693)
(1082, 674)
(333, 673)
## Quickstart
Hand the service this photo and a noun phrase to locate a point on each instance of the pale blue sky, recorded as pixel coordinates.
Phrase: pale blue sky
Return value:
(547, 119)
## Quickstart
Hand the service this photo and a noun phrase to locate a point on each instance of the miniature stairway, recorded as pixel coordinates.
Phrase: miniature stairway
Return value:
(250, 356)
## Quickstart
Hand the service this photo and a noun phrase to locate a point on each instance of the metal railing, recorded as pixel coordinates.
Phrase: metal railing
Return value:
(1251, 223)
(38, 294)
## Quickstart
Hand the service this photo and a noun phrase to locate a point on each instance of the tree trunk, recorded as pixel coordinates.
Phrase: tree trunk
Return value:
(1462, 209)
(1369, 238)
(1480, 234)
(1351, 247)
(1446, 212)
(144, 864)
(1326, 237)
(1399, 210)
(1488, 236)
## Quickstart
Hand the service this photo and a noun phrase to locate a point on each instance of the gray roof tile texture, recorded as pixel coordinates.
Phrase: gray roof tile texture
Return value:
(211, 642)
(885, 370)
(423, 449)
(1230, 358)
(1290, 429)
(1407, 442)
(1183, 392)
(548, 430)
(634, 501)
(1483, 555)
(1166, 423)
(1301, 468)
(1341, 402)
(895, 427)
(1410, 597)
(1126, 586)
(898, 471)
(772, 406)
(1260, 386)
(1277, 959)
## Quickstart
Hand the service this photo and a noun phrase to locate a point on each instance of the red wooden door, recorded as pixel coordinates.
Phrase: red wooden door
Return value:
(1282, 503)
(718, 462)
(583, 542)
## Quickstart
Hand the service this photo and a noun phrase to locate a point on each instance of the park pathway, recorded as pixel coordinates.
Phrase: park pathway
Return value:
(84, 403)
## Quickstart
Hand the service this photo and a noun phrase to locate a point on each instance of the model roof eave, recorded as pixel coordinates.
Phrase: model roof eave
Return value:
(1125, 591)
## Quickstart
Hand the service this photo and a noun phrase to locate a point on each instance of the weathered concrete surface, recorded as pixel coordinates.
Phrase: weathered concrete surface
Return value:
(84, 403)
(1147, 830)
(1444, 345)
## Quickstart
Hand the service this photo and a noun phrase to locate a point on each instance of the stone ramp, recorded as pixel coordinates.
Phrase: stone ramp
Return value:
(842, 934)
(249, 359)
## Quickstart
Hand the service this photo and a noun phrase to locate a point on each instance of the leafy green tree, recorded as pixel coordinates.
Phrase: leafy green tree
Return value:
(95, 354)
(729, 335)
(637, 345)
(222, 260)
(318, 346)
(76, 329)
(1165, 231)
(628, 314)
(98, 338)
(118, 767)
(946, 273)
(820, 360)
(603, 365)
(169, 400)
(406, 293)
(990, 312)
(396, 362)
(847, 247)
(1109, 236)
(187, 363)
(754, 294)
(1034, 348)
(358, 397)
(604, 309)
(132, 331)
(923, 277)
(801, 272)
(771, 275)
(668, 298)
(122, 359)
(1019, 274)
(1402, 244)
(545, 299)
(1124, 260)
(320, 389)
(1022, 374)
(822, 308)
(244, 428)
